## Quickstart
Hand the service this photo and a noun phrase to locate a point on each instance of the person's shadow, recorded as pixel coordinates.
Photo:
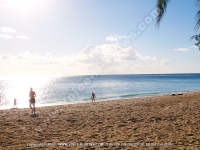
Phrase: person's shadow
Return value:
(33, 115)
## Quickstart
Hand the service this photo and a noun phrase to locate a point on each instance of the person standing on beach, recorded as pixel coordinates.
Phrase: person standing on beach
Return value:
(15, 103)
(32, 96)
(93, 97)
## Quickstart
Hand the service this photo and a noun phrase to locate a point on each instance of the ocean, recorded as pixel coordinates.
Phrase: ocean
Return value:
(78, 89)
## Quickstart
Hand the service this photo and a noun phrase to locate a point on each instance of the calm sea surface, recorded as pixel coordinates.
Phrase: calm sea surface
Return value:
(76, 89)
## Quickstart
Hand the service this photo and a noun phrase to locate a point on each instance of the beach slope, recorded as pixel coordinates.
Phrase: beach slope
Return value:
(160, 122)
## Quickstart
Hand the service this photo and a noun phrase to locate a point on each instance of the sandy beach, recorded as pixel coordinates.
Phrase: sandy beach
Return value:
(156, 123)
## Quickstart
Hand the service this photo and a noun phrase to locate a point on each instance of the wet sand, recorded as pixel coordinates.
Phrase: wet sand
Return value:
(156, 123)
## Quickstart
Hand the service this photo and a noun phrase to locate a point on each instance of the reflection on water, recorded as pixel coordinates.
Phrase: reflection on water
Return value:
(78, 89)
(19, 88)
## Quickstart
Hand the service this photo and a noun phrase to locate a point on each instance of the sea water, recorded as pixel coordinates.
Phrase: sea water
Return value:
(78, 89)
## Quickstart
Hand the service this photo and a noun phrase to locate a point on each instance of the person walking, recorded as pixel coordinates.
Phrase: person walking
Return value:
(15, 103)
(93, 97)
(32, 96)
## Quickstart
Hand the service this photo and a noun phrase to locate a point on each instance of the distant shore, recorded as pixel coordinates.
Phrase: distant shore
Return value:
(164, 122)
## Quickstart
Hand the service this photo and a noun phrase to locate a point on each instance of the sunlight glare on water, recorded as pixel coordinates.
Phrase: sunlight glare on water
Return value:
(74, 89)
(19, 87)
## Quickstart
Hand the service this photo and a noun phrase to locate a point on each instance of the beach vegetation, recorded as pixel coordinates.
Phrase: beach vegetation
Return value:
(161, 9)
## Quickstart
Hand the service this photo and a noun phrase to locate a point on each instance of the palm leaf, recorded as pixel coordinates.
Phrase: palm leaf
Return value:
(197, 3)
(198, 20)
(161, 8)
(197, 38)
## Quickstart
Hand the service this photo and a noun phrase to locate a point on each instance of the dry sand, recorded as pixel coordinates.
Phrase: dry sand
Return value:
(157, 123)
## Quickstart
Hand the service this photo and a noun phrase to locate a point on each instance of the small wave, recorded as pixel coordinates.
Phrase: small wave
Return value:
(129, 95)
(97, 98)
(140, 94)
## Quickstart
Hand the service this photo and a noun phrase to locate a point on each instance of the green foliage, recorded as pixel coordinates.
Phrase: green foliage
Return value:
(161, 9)
(197, 38)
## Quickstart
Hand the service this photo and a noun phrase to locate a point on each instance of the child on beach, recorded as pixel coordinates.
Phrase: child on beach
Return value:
(15, 103)
(93, 97)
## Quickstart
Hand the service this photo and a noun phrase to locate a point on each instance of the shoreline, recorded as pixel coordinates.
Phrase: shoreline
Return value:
(164, 122)
(103, 100)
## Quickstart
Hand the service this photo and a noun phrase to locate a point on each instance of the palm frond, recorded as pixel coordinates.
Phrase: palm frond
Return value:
(161, 8)
(197, 16)
(197, 3)
(197, 38)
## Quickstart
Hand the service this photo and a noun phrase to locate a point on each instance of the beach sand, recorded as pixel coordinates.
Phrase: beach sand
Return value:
(156, 123)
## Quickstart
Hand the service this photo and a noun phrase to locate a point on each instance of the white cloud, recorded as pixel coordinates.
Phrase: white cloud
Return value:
(7, 30)
(154, 58)
(88, 49)
(5, 56)
(182, 49)
(146, 58)
(194, 46)
(30, 59)
(164, 62)
(108, 53)
(6, 36)
(111, 38)
(100, 59)
(115, 38)
(1, 5)
(144, 67)
(91, 55)
(11, 30)
(23, 37)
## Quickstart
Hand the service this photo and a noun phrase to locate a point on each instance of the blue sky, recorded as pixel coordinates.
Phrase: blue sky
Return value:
(74, 37)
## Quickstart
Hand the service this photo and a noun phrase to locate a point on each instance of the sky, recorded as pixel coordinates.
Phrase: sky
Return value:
(83, 37)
